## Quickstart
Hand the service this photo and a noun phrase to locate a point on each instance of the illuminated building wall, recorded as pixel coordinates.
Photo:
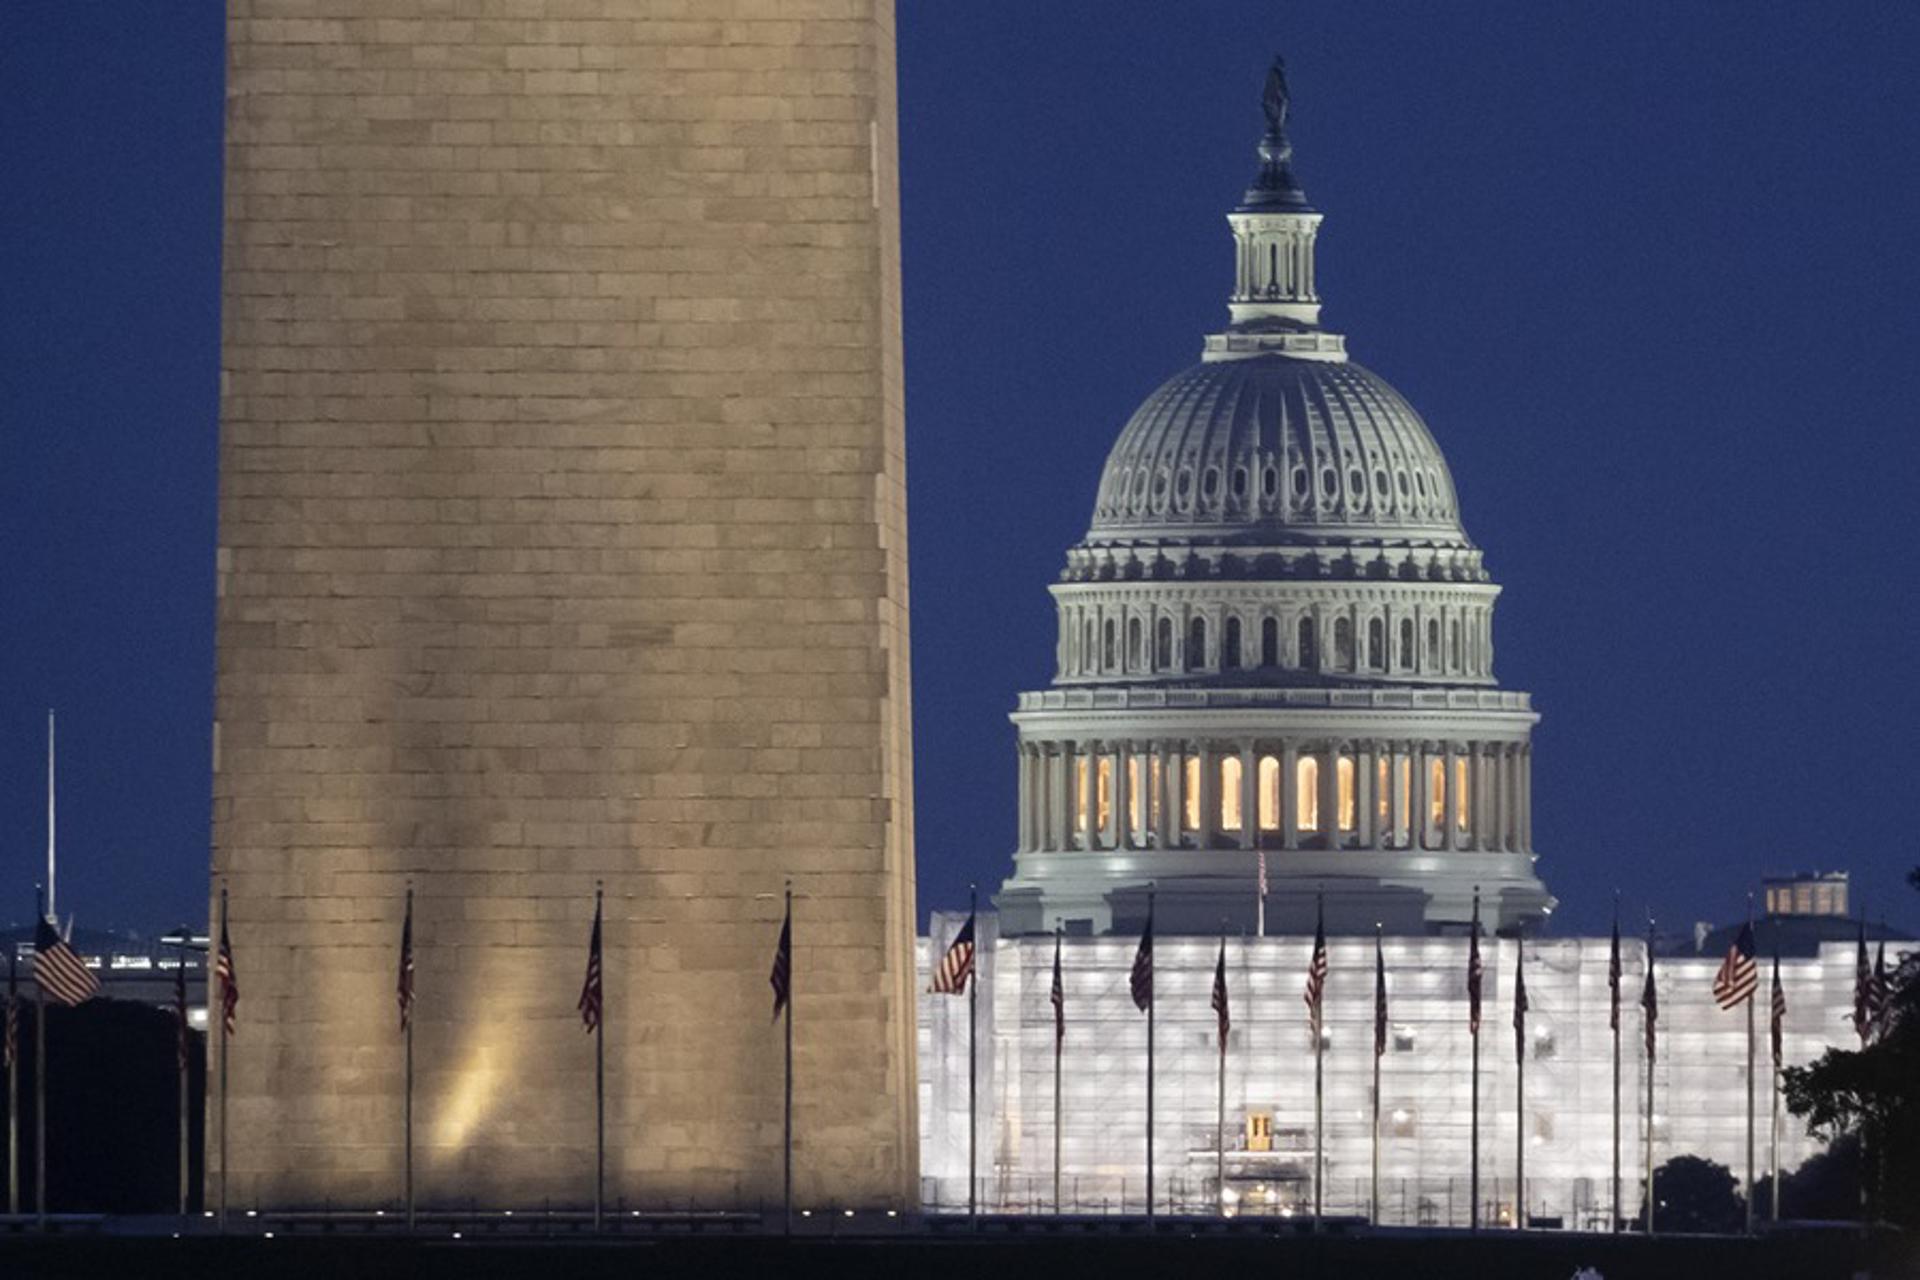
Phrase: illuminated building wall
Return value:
(1699, 1076)
(562, 539)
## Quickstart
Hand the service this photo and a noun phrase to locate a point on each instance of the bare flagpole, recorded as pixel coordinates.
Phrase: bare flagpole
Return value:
(1649, 1005)
(1059, 1039)
(1774, 1011)
(1220, 1098)
(1519, 1088)
(1379, 1032)
(407, 962)
(13, 1082)
(1613, 976)
(1752, 1184)
(40, 1076)
(225, 1036)
(52, 914)
(1150, 1003)
(180, 1056)
(1474, 971)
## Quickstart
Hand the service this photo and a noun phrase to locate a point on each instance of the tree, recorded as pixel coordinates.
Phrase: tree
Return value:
(1873, 1095)
(1695, 1194)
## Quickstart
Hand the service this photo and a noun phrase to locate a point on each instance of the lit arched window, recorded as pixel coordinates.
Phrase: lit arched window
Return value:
(1306, 794)
(1347, 784)
(1403, 802)
(1436, 796)
(1376, 644)
(1230, 645)
(1190, 793)
(1308, 647)
(1136, 644)
(1270, 642)
(1196, 644)
(1163, 644)
(1343, 644)
(1269, 793)
(1462, 796)
(1103, 794)
(1082, 802)
(1230, 793)
(1107, 645)
(1406, 644)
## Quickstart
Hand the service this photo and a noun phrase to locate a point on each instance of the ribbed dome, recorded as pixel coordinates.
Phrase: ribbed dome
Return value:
(1272, 450)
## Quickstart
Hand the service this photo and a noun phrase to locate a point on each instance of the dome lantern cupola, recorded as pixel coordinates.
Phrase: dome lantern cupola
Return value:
(1276, 303)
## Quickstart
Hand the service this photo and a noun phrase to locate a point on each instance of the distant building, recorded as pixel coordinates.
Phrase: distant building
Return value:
(129, 966)
(1275, 670)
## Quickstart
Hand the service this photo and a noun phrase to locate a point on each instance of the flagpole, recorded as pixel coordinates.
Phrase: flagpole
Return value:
(786, 1139)
(1058, 1046)
(40, 1098)
(1379, 970)
(1614, 962)
(180, 1007)
(1260, 899)
(52, 914)
(1773, 1078)
(973, 1068)
(1519, 1093)
(408, 1114)
(13, 1082)
(1319, 1090)
(1473, 1176)
(1752, 1186)
(1653, 1018)
(224, 1038)
(599, 1078)
(1150, 1003)
(1220, 1108)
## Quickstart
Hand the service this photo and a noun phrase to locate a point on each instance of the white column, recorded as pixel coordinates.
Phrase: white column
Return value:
(1365, 788)
(1209, 804)
(1526, 798)
(1249, 795)
(1417, 816)
(1289, 796)
(1122, 795)
(1167, 793)
(1448, 815)
(1330, 795)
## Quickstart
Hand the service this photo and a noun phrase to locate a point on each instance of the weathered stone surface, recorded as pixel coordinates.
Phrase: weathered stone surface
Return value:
(563, 541)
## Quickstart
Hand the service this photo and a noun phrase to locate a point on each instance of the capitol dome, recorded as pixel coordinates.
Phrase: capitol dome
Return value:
(1274, 685)
(1276, 451)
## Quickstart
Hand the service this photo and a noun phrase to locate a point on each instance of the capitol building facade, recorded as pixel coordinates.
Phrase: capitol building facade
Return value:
(1275, 696)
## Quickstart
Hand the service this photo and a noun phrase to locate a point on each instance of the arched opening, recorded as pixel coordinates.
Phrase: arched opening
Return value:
(1383, 798)
(1230, 645)
(1433, 642)
(1136, 644)
(1347, 792)
(1196, 644)
(1103, 795)
(1108, 645)
(1462, 796)
(1136, 798)
(1343, 644)
(1270, 642)
(1306, 795)
(1088, 651)
(1376, 644)
(1269, 787)
(1308, 646)
(1163, 644)
(1457, 664)
(1406, 644)
(1436, 815)
(1230, 793)
(1082, 800)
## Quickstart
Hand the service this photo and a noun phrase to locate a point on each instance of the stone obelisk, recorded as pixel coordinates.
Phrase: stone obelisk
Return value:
(563, 539)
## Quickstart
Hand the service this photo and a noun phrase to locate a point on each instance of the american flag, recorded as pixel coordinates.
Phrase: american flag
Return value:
(225, 977)
(592, 997)
(781, 979)
(1220, 995)
(1739, 975)
(60, 973)
(1613, 974)
(1649, 1000)
(1141, 980)
(1379, 998)
(956, 967)
(12, 1038)
(1058, 998)
(1879, 996)
(1475, 972)
(403, 989)
(1316, 991)
(1520, 1007)
(1779, 1021)
(1862, 991)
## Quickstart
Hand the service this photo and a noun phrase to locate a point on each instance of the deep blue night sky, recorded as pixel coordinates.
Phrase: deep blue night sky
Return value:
(1648, 270)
